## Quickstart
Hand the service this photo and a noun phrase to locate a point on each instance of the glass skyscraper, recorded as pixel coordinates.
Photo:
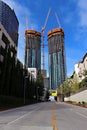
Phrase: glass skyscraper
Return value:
(9, 21)
(32, 49)
(57, 70)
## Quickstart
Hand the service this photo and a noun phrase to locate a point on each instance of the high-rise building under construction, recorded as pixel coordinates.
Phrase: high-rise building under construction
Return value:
(32, 49)
(57, 70)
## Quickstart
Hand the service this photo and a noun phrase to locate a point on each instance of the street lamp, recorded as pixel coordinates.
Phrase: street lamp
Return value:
(37, 93)
(26, 77)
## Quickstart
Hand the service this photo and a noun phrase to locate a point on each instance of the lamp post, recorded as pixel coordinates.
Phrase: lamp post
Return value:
(37, 93)
(26, 77)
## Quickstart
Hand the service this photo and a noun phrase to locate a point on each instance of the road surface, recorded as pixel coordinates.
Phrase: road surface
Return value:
(43, 116)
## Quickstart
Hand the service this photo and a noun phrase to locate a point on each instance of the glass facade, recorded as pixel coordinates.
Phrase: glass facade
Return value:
(32, 49)
(9, 20)
(56, 58)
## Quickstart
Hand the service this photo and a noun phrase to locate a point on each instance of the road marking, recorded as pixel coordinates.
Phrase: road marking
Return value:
(22, 116)
(81, 115)
(54, 117)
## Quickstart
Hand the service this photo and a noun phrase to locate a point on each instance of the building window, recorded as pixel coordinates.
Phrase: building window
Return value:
(1, 58)
(5, 39)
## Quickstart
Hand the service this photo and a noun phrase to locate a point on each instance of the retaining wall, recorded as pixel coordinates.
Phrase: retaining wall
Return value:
(78, 97)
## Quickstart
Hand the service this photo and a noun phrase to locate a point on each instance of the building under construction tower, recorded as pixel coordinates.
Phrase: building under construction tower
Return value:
(57, 71)
(32, 49)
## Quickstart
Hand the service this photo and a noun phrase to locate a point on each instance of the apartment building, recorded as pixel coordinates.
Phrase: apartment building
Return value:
(80, 67)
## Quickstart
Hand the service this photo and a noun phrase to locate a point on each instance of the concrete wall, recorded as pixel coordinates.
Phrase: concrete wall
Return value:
(79, 97)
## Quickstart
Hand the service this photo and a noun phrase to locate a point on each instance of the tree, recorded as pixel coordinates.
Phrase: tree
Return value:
(47, 94)
(60, 89)
(83, 83)
(40, 83)
(85, 73)
(4, 66)
(75, 85)
(67, 87)
(40, 79)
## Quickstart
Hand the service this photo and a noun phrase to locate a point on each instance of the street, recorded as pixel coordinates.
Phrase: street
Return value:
(40, 116)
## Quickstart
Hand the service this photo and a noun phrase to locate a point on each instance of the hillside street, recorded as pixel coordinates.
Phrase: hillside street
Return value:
(39, 117)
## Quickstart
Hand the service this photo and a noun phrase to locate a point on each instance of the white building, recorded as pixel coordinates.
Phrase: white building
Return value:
(80, 67)
(33, 73)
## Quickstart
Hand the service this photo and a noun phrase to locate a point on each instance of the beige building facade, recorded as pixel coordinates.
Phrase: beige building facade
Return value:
(80, 67)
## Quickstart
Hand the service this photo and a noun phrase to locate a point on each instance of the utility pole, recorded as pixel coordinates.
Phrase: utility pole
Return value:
(37, 93)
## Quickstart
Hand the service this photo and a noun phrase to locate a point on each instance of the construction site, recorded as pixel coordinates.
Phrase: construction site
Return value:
(35, 53)
(32, 49)
(56, 57)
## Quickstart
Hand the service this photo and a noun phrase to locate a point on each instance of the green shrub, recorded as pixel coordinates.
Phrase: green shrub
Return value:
(83, 103)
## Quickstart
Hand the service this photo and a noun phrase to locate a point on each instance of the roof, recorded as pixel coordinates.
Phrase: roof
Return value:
(84, 56)
(55, 32)
(32, 33)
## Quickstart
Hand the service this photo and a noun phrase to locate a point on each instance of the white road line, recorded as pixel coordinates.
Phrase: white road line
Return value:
(22, 116)
(81, 115)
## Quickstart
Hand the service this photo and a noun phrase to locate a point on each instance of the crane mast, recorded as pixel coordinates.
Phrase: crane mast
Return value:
(42, 38)
(57, 18)
(26, 23)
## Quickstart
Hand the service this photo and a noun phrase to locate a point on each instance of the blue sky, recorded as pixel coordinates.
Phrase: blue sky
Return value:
(73, 18)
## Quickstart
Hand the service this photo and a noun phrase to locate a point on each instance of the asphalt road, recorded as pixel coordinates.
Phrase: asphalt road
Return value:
(43, 116)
